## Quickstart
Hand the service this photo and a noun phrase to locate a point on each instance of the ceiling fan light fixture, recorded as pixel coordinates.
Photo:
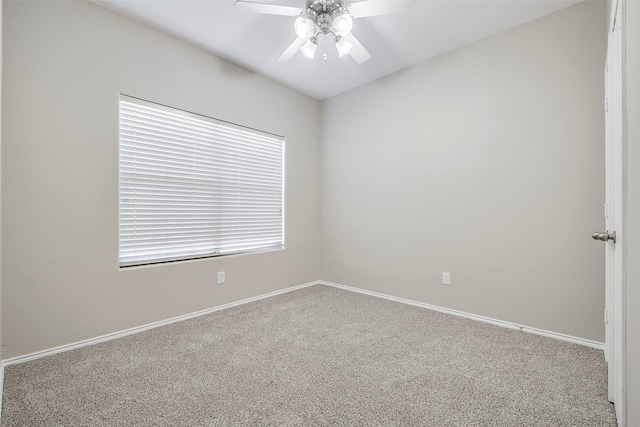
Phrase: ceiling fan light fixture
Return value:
(343, 46)
(309, 48)
(342, 24)
(304, 27)
(328, 18)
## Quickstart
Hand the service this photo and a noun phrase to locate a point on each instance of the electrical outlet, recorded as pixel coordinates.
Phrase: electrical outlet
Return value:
(221, 277)
(446, 278)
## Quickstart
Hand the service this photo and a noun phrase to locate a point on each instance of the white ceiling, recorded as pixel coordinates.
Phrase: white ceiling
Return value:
(255, 41)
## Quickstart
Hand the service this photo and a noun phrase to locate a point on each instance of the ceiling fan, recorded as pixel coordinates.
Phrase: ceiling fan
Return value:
(330, 18)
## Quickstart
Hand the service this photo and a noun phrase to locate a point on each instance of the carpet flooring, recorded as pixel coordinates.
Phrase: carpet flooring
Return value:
(316, 356)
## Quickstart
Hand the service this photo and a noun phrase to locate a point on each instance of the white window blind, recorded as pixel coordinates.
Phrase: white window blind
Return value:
(192, 186)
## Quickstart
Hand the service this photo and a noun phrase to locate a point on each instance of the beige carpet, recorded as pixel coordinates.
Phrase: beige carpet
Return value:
(316, 356)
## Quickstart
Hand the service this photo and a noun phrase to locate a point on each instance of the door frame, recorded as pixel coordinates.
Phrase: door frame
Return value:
(615, 127)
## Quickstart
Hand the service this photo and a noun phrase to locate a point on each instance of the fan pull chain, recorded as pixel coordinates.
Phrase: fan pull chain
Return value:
(324, 46)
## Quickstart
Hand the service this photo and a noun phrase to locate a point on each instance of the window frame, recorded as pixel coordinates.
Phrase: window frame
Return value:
(126, 261)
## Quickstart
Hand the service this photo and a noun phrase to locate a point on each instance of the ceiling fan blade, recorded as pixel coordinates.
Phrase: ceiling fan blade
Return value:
(292, 49)
(272, 9)
(380, 7)
(358, 52)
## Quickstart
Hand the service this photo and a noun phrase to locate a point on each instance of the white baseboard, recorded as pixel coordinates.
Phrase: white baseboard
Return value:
(120, 334)
(510, 325)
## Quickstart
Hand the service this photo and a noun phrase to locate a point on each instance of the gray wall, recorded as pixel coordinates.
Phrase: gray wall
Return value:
(503, 136)
(486, 162)
(632, 29)
(65, 63)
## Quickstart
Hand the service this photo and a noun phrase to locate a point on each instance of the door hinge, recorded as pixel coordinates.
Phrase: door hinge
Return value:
(606, 316)
(606, 105)
(606, 210)
(619, 18)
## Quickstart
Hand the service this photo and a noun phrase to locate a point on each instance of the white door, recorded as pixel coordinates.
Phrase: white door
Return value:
(613, 235)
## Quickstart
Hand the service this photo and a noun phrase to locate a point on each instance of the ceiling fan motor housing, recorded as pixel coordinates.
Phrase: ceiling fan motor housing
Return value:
(324, 22)
(322, 13)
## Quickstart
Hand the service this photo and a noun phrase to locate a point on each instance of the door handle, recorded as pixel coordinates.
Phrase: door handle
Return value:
(598, 235)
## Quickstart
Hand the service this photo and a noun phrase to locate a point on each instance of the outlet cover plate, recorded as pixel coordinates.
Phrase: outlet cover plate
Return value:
(446, 278)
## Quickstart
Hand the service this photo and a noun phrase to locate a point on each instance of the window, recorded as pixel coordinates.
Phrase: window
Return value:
(192, 186)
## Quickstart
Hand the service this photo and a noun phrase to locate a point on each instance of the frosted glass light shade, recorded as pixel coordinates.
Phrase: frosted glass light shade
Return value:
(303, 27)
(309, 48)
(343, 24)
(343, 46)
